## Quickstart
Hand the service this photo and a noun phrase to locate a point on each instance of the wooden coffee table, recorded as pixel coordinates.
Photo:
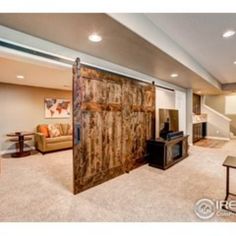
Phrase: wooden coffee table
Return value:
(20, 138)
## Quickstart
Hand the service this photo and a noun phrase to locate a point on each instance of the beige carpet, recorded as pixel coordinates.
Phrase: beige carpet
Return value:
(38, 188)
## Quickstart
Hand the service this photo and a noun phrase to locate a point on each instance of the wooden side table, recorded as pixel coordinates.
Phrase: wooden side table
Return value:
(230, 162)
(20, 138)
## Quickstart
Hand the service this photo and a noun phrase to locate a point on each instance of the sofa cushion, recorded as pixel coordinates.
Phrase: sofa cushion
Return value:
(54, 130)
(59, 139)
(44, 130)
(65, 128)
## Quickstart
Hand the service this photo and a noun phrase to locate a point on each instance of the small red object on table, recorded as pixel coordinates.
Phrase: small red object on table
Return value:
(20, 138)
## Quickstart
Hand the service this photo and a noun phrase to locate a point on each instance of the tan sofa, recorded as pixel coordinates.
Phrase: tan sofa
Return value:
(47, 144)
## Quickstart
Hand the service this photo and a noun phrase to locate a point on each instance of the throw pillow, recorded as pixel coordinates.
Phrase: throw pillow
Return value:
(44, 130)
(65, 128)
(53, 131)
(58, 126)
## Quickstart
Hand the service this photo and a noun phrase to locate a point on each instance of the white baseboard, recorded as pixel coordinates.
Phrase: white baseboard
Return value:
(217, 138)
(10, 151)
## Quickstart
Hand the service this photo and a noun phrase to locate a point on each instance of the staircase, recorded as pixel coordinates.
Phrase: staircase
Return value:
(218, 125)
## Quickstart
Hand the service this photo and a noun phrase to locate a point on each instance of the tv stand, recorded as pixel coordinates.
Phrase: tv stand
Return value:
(166, 153)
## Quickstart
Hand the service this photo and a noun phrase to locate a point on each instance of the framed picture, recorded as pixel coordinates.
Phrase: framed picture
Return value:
(57, 108)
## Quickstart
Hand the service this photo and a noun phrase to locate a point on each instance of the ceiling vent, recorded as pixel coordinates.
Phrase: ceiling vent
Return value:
(34, 52)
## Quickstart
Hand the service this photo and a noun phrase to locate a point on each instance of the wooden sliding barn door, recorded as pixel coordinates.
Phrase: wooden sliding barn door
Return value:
(113, 118)
(138, 121)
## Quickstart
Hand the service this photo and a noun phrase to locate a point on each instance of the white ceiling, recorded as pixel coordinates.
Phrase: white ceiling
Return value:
(119, 45)
(35, 74)
(201, 36)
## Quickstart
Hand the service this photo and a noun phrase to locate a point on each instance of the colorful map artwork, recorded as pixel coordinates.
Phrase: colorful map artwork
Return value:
(57, 108)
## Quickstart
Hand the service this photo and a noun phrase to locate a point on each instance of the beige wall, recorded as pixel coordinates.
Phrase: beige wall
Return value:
(22, 109)
(218, 103)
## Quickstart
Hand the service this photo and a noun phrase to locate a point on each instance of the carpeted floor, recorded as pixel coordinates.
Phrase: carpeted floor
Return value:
(38, 188)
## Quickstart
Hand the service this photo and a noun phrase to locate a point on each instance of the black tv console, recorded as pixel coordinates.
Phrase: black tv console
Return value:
(165, 153)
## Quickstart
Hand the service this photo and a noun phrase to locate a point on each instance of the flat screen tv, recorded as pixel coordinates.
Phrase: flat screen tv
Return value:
(168, 119)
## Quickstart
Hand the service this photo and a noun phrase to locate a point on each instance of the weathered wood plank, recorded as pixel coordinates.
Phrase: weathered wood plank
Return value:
(116, 117)
(92, 106)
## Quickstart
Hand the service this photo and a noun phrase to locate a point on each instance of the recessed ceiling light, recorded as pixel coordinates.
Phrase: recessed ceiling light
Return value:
(234, 62)
(174, 75)
(20, 77)
(228, 33)
(95, 37)
(199, 91)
